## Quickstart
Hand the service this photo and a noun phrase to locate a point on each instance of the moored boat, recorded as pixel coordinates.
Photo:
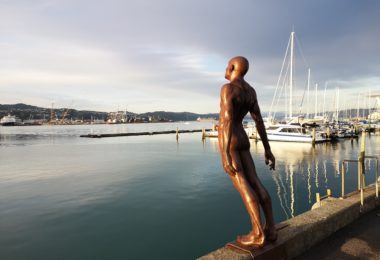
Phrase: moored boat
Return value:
(292, 133)
(10, 121)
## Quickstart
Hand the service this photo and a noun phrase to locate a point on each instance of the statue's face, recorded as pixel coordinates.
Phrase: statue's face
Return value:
(229, 70)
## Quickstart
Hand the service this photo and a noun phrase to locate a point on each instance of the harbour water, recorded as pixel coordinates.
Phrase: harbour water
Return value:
(143, 197)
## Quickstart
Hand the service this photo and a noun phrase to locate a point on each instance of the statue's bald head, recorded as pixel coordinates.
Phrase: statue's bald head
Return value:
(237, 67)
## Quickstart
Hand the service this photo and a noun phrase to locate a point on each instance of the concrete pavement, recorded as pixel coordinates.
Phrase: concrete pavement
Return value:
(358, 240)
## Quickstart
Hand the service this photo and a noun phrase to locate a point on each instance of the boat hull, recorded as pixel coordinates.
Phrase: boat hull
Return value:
(8, 124)
(293, 138)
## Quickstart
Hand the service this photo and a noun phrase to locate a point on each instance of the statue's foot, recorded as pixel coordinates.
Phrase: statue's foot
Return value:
(251, 240)
(270, 234)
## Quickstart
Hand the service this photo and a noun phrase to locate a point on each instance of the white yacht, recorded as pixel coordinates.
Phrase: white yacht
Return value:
(10, 121)
(292, 133)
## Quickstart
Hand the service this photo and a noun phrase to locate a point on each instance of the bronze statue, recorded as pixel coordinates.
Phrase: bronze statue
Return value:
(237, 98)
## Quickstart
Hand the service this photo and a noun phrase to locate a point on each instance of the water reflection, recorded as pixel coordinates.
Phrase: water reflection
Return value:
(303, 170)
(281, 193)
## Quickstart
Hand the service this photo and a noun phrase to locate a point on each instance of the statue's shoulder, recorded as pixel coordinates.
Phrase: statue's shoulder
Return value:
(227, 86)
(227, 89)
(252, 92)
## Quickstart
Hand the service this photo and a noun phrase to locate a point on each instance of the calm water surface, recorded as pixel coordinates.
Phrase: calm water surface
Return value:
(143, 197)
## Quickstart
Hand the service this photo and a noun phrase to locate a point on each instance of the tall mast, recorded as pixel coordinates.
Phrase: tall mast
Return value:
(324, 102)
(316, 100)
(337, 104)
(369, 102)
(308, 92)
(357, 111)
(291, 75)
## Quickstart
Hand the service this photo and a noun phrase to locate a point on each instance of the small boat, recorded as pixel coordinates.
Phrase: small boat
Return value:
(206, 119)
(292, 133)
(248, 128)
(213, 133)
(10, 121)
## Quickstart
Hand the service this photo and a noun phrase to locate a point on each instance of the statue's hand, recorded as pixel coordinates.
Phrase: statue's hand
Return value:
(228, 166)
(269, 159)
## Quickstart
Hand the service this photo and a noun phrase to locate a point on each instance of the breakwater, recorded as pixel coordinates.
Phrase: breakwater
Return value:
(145, 133)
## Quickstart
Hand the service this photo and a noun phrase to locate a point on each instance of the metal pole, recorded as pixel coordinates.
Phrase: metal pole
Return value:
(291, 75)
(362, 169)
(316, 101)
(361, 166)
(342, 179)
(377, 174)
(308, 92)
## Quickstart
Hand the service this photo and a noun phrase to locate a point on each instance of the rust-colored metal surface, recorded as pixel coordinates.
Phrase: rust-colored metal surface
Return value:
(269, 251)
(237, 98)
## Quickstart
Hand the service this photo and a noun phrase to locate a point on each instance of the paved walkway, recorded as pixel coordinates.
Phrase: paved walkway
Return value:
(359, 240)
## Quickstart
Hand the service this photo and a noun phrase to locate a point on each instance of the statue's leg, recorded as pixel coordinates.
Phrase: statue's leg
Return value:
(256, 236)
(262, 193)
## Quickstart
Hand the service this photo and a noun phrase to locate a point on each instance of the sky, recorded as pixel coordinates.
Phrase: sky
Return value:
(171, 55)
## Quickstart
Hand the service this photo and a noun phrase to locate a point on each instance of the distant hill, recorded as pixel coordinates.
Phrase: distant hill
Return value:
(24, 112)
(178, 116)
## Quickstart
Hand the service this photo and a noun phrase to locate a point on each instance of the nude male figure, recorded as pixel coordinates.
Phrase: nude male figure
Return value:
(236, 100)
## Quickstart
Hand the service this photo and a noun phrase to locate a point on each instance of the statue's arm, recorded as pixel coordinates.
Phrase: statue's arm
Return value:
(256, 116)
(226, 97)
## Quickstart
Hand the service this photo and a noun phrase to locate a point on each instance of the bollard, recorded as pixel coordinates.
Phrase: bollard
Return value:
(318, 199)
(328, 193)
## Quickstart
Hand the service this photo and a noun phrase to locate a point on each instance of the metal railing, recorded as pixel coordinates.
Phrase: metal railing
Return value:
(361, 176)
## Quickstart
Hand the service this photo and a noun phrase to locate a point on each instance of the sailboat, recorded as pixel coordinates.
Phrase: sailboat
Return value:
(291, 130)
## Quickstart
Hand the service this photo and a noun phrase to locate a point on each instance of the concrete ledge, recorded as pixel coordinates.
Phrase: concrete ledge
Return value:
(309, 228)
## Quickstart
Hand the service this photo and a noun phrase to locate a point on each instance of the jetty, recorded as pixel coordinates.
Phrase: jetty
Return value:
(145, 133)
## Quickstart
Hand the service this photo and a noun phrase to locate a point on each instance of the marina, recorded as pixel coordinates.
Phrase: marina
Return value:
(181, 130)
(59, 190)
